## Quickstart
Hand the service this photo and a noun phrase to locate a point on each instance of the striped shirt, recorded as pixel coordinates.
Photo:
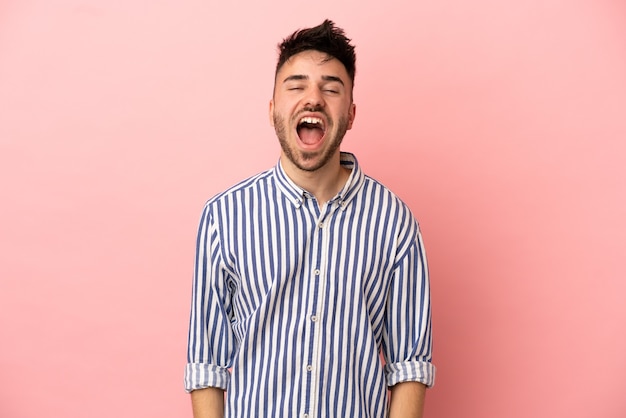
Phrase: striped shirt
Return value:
(293, 304)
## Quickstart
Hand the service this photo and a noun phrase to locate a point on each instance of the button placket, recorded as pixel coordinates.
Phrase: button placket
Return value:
(318, 283)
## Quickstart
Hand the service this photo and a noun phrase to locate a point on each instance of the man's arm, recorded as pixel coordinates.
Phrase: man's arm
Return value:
(208, 403)
(208, 356)
(407, 400)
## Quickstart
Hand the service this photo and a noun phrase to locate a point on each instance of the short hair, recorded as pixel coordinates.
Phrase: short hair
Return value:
(326, 38)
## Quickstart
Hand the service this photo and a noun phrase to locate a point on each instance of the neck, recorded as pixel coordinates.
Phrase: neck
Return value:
(323, 183)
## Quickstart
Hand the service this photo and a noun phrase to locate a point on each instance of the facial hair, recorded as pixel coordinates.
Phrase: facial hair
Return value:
(300, 158)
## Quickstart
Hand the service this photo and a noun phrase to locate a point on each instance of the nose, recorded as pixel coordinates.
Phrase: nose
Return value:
(314, 98)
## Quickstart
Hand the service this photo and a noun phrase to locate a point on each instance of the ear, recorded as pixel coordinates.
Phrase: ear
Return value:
(351, 115)
(271, 114)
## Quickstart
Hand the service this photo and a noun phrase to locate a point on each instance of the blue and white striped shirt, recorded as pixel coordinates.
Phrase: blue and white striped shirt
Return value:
(293, 304)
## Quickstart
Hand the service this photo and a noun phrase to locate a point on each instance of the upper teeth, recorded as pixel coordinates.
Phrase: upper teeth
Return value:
(311, 120)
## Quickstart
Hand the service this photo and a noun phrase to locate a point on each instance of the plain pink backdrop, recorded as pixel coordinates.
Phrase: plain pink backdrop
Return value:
(501, 123)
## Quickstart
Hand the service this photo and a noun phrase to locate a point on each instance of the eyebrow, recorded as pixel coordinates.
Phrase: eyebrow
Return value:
(297, 77)
(332, 78)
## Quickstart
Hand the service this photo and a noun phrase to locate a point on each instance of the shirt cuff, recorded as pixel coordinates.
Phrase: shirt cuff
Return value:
(202, 375)
(410, 371)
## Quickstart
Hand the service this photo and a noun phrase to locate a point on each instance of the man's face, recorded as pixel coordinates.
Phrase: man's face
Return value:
(312, 109)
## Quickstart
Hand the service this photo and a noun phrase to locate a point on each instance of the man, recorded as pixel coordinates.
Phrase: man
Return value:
(307, 272)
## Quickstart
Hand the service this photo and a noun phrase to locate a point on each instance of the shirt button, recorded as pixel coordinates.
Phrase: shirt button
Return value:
(314, 318)
(317, 272)
(321, 224)
(309, 368)
(305, 416)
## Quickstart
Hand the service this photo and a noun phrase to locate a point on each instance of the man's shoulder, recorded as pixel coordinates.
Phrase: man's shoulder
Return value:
(383, 190)
(260, 180)
(388, 198)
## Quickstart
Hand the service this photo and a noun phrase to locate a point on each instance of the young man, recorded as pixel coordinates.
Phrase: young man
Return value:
(307, 272)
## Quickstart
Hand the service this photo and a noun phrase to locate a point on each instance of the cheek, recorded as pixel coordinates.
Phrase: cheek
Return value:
(286, 111)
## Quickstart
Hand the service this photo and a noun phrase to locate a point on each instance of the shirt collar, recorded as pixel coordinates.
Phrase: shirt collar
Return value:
(297, 194)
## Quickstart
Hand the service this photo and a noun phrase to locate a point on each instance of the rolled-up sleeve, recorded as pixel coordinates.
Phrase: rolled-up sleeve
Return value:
(211, 343)
(407, 339)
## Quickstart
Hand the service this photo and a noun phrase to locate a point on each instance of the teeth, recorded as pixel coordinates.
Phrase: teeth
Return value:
(311, 120)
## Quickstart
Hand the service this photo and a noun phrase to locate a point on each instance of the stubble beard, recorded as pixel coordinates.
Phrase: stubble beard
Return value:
(299, 159)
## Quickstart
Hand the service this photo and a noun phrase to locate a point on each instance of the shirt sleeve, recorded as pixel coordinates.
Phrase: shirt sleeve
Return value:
(407, 339)
(211, 343)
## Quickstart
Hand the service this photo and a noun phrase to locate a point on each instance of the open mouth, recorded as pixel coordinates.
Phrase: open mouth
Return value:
(311, 130)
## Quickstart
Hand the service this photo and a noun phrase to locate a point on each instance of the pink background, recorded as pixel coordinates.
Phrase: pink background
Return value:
(501, 123)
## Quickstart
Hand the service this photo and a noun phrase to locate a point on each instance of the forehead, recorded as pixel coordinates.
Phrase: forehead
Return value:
(312, 62)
